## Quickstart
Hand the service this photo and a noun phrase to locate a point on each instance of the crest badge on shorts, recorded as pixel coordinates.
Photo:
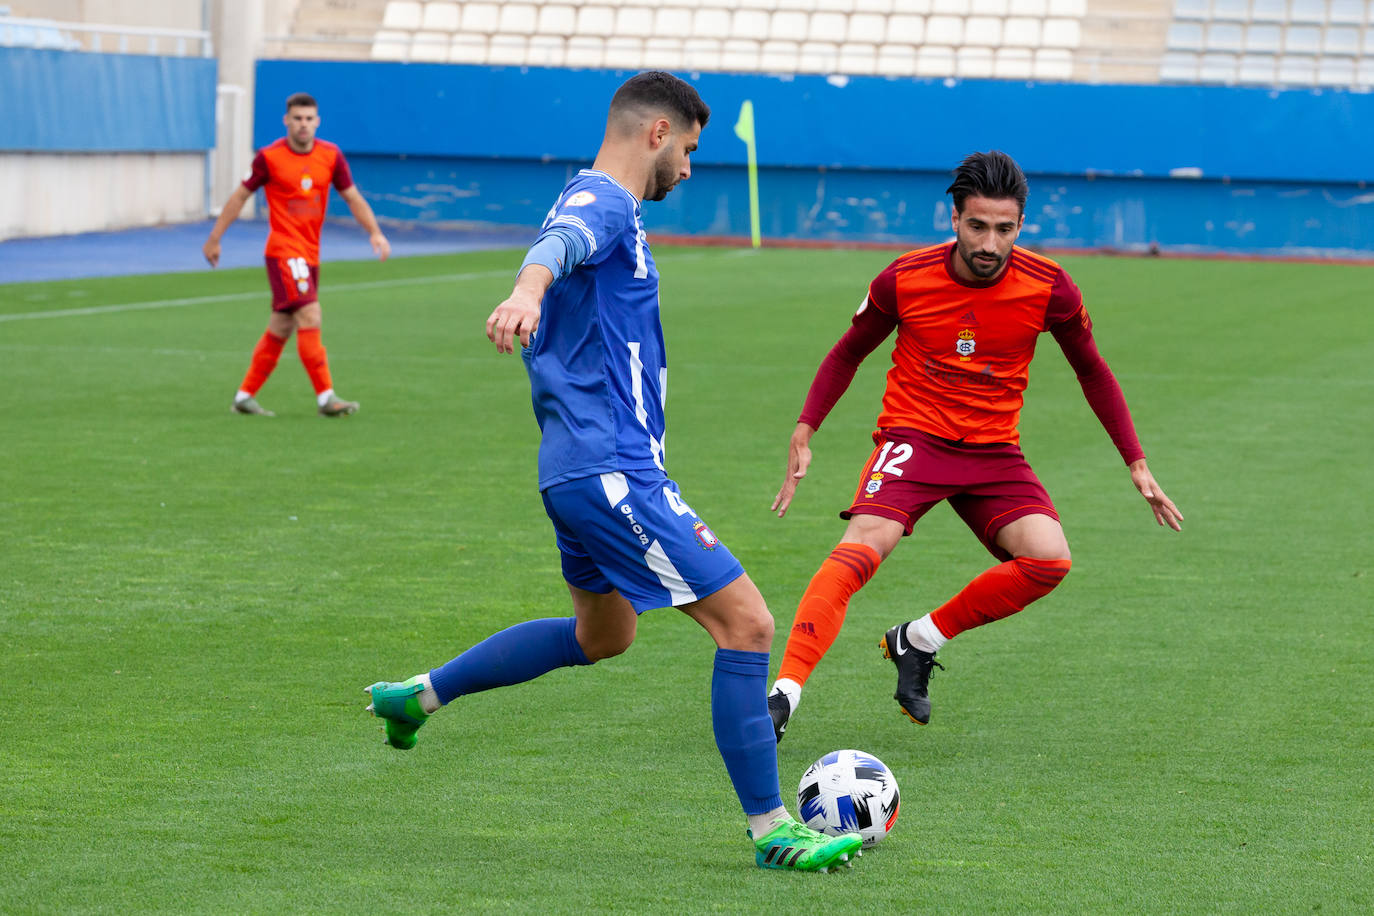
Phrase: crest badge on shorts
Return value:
(705, 536)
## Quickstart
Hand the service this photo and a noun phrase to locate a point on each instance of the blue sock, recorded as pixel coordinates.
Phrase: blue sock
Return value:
(513, 656)
(744, 730)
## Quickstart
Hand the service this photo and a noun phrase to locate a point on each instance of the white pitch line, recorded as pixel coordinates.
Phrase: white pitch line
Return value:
(259, 294)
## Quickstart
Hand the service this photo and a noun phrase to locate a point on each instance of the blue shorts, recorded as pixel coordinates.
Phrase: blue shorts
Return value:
(630, 531)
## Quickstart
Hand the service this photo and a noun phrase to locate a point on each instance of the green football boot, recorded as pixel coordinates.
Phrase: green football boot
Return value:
(794, 845)
(399, 705)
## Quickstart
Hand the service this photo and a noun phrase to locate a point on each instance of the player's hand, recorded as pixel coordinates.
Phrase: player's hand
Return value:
(798, 461)
(1166, 513)
(518, 316)
(380, 245)
(211, 251)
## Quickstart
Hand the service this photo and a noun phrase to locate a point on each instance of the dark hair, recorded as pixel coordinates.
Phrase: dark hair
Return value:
(300, 100)
(993, 174)
(663, 92)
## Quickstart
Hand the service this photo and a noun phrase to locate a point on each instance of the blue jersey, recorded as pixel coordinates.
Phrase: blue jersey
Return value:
(597, 365)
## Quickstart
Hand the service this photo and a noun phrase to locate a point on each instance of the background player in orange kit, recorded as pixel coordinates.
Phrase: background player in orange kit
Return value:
(296, 171)
(967, 316)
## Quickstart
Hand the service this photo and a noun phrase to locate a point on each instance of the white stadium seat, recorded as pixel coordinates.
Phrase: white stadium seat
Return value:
(897, 60)
(441, 17)
(951, 7)
(739, 55)
(595, 20)
(1073, 9)
(910, 7)
(1297, 70)
(788, 25)
(934, 60)
(827, 27)
(835, 6)
(1225, 36)
(1364, 72)
(664, 53)
(1027, 8)
(634, 21)
(867, 27)
(1263, 38)
(481, 17)
(701, 53)
(985, 31)
(1268, 10)
(905, 29)
(750, 24)
(1021, 32)
(1013, 63)
(778, 56)
(402, 14)
(975, 63)
(1346, 12)
(1256, 69)
(546, 51)
(1191, 9)
(818, 57)
(1178, 67)
(1185, 36)
(624, 52)
(1341, 40)
(1302, 39)
(517, 19)
(556, 19)
(988, 7)
(389, 45)
(673, 22)
(1312, 11)
(1053, 64)
(507, 50)
(585, 51)
(1231, 10)
(711, 23)
(881, 7)
(1217, 68)
(466, 48)
(1336, 71)
(429, 46)
(945, 30)
(858, 58)
(1062, 33)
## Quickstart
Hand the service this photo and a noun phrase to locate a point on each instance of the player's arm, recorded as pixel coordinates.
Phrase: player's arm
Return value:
(871, 325)
(362, 212)
(232, 208)
(553, 256)
(1074, 335)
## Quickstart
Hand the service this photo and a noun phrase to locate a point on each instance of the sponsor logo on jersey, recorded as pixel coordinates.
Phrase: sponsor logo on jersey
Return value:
(964, 346)
(580, 199)
(706, 536)
(969, 319)
(306, 183)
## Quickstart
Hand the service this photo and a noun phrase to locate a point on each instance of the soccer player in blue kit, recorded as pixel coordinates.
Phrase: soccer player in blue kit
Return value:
(585, 310)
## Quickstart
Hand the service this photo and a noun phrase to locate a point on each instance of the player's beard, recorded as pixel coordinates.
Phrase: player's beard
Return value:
(664, 177)
(983, 270)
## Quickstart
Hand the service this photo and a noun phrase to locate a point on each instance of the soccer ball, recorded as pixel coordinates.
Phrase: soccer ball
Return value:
(849, 792)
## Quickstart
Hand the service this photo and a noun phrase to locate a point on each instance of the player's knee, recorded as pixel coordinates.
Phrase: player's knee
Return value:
(1047, 572)
(605, 645)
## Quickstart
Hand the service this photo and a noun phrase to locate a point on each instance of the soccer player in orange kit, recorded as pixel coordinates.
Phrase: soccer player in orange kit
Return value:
(967, 316)
(296, 172)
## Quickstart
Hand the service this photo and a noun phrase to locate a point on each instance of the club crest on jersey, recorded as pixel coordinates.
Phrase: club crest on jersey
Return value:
(705, 536)
(306, 183)
(580, 199)
(874, 483)
(965, 344)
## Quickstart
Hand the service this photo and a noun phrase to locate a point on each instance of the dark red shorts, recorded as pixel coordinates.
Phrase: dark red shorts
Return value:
(989, 486)
(294, 283)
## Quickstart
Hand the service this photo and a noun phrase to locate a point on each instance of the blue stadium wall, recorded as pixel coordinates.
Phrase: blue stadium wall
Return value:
(865, 159)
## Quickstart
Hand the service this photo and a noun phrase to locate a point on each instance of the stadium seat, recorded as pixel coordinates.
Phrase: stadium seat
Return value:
(1297, 70)
(1061, 33)
(673, 22)
(663, 53)
(805, 6)
(1346, 12)
(465, 48)
(1191, 9)
(1369, 37)
(1260, 38)
(974, 63)
(750, 24)
(1225, 36)
(1185, 36)
(1231, 10)
(1364, 72)
(1336, 71)
(507, 50)
(903, 29)
(950, 7)
(711, 23)
(858, 58)
(1302, 39)
(402, 14)
(739, 55)
(1268, 10)
(1020, 32)
(1308, 11)
(1341, 41)
(881, 7)
(835, 6)
(818, 57)
(441, 17)
(585, 51)
(1072, 9)
(1027, 7)
(624, 52)
(1013, 63)
(517, 19)
(556, 19)
(1178, 67)
(1217, 68)
(910, 7)
(988, 7)
(429, 46)
(983, 31)
(945, 30)
(867, 27)
(1053, 64)
(595, 20)
(546, 51)
(481, 17)
(390, 45)
(827, 27)
(701, 53)
(634, 21)
(897, 60)
(788, 25)
(778, 56)
(934, 60)
(1256, 69)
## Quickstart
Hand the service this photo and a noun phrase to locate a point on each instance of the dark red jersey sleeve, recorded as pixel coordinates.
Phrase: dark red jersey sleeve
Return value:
(343, 177)
(257, 173)
(871, 325)
(1074, 334)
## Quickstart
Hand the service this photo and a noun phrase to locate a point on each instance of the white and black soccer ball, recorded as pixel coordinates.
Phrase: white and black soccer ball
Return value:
(849, 792)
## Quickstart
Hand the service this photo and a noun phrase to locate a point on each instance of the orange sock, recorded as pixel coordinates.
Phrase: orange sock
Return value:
(313, 357)
(265, 356)
(999, 592)
(821, 611)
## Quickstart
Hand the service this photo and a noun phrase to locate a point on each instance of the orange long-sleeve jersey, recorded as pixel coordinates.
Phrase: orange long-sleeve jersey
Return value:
(297, 189)
(963, 351)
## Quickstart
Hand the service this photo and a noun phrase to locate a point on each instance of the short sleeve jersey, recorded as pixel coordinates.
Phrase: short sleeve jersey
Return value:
(597, 366)
(963, 351)
(297, 189)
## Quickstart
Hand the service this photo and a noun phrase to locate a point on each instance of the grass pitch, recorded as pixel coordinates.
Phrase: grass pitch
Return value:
(191, 602)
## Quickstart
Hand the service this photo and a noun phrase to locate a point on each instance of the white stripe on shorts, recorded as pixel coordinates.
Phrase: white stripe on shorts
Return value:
(667, 574)
(615, 487)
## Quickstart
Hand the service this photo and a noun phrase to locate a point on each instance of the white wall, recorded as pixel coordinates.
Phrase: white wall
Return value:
(62, 193)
